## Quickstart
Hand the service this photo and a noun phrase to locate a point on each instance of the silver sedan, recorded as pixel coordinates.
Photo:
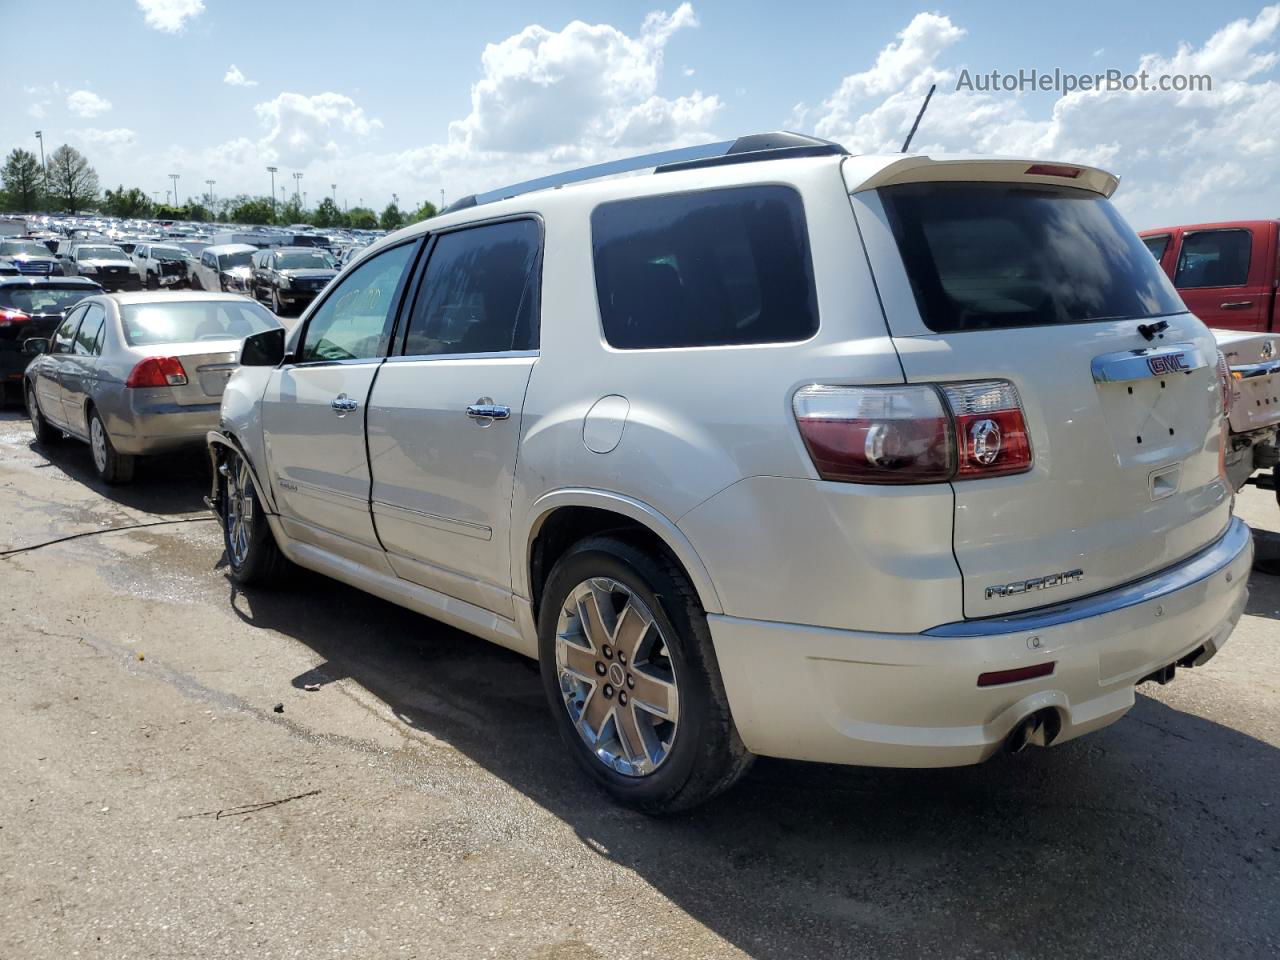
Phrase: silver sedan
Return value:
(138, 373)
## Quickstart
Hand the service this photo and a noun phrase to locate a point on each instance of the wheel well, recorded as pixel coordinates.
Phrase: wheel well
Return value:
(565, 526)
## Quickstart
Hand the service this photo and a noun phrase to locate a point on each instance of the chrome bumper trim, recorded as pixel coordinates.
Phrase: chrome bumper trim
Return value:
(1202, 565)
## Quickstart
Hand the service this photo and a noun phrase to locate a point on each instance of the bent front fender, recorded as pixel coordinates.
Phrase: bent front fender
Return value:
(218, 443)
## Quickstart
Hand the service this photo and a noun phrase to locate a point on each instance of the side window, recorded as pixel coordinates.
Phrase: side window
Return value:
(65, 335)
(206, 259)
(90, 327)
(354, 322)
(1214, 258)
(706, 268)
(1157, 245)
(479, 293)
(140, 252)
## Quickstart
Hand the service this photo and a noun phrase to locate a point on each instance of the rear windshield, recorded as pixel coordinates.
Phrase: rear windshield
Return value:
(190, 321)
(710, 268)
(989, 255)
(33, 300)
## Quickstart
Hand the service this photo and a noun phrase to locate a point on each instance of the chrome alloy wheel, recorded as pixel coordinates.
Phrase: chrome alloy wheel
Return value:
(616, 677)
(33, 410)
(98, 442)
(239, 509)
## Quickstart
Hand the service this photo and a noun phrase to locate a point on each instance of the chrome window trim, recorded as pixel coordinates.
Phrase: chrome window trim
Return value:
(1236, 540)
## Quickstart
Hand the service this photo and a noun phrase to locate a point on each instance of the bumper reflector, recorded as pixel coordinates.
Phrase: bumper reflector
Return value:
(996, 677)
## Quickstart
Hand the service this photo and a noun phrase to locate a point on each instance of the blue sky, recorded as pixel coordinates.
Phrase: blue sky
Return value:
(413, 98)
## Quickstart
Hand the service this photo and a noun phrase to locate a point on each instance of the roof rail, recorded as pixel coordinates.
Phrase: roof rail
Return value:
(758, 146)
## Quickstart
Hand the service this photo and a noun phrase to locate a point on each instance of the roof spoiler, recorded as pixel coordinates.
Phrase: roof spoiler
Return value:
(923, 169)
(748, 149)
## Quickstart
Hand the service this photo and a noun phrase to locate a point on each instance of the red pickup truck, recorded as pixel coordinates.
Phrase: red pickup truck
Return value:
(1228, 274)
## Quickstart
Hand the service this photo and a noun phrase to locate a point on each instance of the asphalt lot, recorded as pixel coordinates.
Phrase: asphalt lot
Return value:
(436, 815)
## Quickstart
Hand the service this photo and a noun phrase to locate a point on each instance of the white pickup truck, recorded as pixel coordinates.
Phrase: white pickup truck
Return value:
(1255, 405)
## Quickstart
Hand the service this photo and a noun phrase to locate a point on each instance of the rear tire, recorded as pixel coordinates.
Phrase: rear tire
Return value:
(152, 282)
(253, 556)
(46, 433)
(112, 467)
(195, 283)
(649, 642)
(276, 306)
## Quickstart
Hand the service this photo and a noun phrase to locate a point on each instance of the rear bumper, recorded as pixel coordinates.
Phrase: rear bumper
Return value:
(149, 426)
(903, 700)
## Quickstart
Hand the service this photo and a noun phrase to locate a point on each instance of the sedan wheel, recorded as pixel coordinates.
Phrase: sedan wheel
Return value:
(276, 306)
(45, 432)
(111, 466)
(616, 677)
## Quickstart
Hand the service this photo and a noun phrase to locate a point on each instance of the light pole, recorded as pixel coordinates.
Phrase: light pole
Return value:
(442, 199)
(211, 183)
(43, 166)
(174, 178)
(334, 188)
(272, 171)
(304, 199)
(297, 186)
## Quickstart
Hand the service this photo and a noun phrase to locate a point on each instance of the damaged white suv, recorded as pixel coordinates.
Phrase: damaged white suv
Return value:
(880, 460)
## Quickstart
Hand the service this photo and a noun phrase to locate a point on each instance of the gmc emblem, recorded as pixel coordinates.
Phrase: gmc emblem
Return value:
(1168, 363)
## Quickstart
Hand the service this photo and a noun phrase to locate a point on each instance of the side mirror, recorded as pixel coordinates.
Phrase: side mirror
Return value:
(34, 346)
(264, 349)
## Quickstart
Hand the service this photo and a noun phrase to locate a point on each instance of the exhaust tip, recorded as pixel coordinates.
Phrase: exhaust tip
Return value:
(1038, 729)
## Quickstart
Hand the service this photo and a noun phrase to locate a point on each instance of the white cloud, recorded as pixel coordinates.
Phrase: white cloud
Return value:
(234, 78)
(301, 127)
(1182, 156)
(170, 16)
(587, 86)
(86, 103)
(116, 141)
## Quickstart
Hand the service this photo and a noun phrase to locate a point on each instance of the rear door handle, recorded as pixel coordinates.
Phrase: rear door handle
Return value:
(1237, 305)
(486, 409)
(343, 404)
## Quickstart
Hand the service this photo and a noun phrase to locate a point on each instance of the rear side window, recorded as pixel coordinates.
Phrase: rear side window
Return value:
(1157, 245)
(90, 327)
(711, 268)
(1214, 258)
(990, 255)
(480, 292)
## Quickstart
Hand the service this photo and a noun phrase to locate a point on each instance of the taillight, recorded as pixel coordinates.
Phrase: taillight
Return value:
(1052, 170)
(991, 436)
(10, 317)
(914, 433)
(1225, 385)
(158, 372)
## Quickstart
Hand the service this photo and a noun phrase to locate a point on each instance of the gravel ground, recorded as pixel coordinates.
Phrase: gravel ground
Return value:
(153, 802)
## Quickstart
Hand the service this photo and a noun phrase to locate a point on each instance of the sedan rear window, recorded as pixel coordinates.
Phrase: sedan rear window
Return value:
(190, 321)
(37, 300)
(710, 268)
(990, 255)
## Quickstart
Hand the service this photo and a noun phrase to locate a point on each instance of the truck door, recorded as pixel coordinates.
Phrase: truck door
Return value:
(1224, 278)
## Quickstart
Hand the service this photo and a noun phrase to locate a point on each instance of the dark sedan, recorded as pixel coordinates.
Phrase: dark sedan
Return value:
(288, 278)
(32, 307)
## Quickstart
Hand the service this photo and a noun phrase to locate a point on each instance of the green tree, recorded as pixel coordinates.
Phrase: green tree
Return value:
(197, 211)
(424, 212)
(392, 218)
(73, 184)
(21, 178)
(126, 203)
(246, 209)
(291, 212)
(327, 214)
(362, 218)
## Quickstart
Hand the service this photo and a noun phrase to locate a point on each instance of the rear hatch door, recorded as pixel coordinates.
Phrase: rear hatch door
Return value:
(1045, 286)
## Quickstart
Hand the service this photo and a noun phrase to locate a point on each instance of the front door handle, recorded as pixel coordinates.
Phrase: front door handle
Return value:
(1237, 305)
(342, 404)
(486, 410)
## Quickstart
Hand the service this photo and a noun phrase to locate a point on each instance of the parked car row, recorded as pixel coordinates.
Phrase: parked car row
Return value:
(777, 451)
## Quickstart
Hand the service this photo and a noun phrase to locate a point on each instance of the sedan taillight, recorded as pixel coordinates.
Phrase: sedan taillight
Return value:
(912, 433)
(158, 372)
(10, 317)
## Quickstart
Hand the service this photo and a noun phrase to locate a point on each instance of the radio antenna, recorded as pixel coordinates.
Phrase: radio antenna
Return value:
(923, 107)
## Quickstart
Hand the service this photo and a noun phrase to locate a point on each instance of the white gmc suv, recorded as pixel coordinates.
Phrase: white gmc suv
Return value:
(881, 460)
